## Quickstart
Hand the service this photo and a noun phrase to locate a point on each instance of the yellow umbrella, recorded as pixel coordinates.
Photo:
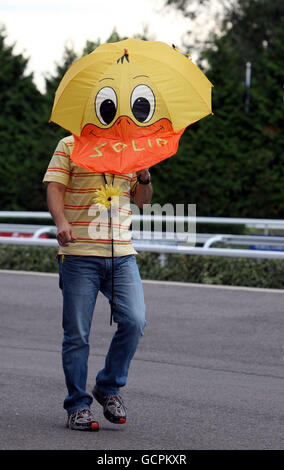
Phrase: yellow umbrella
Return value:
(127, 104)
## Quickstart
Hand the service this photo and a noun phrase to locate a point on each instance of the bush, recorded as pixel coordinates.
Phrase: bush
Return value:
(182, 268)
(27, 258)
(249, 272)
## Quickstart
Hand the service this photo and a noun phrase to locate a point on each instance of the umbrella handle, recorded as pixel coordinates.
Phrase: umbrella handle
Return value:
(112, 269)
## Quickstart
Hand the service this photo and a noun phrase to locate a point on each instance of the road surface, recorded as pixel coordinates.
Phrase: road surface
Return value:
(208, 373)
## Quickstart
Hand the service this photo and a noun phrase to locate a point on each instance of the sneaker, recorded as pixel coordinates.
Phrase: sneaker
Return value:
(82, 420)
(114, 408)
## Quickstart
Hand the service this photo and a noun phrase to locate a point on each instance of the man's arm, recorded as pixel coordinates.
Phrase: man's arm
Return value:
(142, 193)
(55, 202)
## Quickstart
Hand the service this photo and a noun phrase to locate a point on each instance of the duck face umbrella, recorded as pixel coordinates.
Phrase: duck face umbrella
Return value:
(128, 103)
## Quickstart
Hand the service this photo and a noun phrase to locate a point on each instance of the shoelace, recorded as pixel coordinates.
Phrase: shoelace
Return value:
(80, 414)
(115, 399)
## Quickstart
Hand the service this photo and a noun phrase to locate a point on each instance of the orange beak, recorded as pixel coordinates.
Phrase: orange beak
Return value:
(125, 129)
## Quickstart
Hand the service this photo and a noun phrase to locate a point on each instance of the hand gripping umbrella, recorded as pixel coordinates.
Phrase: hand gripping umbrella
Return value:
(128, 103)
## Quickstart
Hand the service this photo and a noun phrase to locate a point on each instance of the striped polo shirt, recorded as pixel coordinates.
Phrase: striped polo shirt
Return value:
(90, 225)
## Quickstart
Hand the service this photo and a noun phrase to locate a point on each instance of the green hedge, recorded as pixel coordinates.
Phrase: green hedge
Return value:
(25, 258)
(183, 268)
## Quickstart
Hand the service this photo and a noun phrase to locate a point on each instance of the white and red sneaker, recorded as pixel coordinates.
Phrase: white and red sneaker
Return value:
(114, 408)
(82, 420)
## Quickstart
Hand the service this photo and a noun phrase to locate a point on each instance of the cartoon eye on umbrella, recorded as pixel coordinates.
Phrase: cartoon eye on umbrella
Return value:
(128, 103)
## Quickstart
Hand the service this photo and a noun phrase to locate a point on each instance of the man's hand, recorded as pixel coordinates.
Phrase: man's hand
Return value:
(142, 194)
(65, 234)
(144, 174)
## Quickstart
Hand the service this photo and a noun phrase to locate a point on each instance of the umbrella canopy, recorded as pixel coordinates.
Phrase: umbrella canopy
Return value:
(128, 103)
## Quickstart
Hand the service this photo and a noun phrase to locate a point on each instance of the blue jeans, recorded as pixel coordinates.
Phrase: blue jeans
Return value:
(81, 278)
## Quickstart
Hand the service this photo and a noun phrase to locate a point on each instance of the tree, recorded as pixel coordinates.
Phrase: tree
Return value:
(204, 17)
(251, 23)
(231, 164)
(20, 121)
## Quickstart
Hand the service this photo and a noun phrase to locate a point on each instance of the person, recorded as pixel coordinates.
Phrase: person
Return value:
(85, 268)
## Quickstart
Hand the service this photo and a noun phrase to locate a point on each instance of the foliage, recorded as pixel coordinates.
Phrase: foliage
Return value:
(264, 273)
(20, 124)
(25, 258)
(231, 164)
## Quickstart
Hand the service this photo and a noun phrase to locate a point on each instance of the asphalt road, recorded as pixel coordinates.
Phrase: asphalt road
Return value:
(208, 373)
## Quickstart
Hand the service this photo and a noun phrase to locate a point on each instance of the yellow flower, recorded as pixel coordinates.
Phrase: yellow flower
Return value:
(105, 195)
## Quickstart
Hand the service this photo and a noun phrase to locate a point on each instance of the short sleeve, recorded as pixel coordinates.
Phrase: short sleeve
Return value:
(58, 169)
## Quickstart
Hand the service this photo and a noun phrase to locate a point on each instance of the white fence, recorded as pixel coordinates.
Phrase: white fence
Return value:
(269, 246)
